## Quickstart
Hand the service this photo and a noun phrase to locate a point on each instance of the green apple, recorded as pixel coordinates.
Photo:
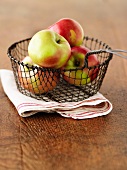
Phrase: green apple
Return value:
(49, 49)
(75, 73)
(35, 80)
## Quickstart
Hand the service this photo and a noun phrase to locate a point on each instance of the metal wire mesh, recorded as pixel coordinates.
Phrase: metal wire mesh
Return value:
(49, 84)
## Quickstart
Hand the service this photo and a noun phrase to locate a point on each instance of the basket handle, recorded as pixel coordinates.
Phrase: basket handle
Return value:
(115, 52)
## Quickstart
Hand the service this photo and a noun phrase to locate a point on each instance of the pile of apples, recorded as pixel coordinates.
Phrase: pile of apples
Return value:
(59, 46)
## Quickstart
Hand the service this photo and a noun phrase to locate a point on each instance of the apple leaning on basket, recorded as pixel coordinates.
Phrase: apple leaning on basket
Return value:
(60, 46)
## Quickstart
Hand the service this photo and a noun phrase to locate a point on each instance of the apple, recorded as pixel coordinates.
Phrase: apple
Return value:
(69, 29)
(75, 72)
(34, 79)
(49, 49)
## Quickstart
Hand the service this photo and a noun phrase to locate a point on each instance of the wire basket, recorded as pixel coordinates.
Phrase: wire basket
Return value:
(49, 84)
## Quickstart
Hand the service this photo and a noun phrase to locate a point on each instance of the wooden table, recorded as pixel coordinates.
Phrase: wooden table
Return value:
(49, 141)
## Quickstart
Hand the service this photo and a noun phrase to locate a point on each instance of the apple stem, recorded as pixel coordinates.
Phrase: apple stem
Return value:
(58, 41)
(77, 63)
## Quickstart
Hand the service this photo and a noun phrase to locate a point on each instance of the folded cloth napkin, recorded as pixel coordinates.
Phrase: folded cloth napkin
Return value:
(94, 106)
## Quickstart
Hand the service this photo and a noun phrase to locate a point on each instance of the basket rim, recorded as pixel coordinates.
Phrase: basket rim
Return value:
(12, 46)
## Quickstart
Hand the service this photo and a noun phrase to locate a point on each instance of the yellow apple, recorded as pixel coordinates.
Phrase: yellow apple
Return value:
(34, 79)
(75, 72)
(49, 49)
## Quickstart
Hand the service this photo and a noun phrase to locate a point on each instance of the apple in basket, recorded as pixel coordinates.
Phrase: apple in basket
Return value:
(34, 79)
(70, 29)
(49, 49)
(79, 75)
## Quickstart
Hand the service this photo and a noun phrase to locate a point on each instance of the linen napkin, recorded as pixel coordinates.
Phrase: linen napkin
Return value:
(91, 107)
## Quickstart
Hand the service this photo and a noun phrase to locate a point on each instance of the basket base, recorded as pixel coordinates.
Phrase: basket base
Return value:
(65, 92)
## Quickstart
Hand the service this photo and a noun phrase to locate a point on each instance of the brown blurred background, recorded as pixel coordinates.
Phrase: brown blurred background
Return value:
(102, 19)
(51, 142)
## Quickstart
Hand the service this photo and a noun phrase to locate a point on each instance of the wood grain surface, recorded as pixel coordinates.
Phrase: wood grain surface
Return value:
(49, 141)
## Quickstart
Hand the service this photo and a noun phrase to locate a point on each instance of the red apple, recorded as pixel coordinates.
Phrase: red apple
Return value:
(81, 76)
(49, 49)
(35, 80)
(70, 29)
